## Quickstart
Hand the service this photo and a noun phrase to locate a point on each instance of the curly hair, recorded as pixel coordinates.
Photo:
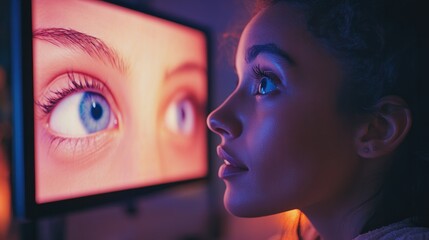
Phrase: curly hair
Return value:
(383, 48)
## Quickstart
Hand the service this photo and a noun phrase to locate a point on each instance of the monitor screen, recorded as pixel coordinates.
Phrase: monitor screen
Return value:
(119, 100)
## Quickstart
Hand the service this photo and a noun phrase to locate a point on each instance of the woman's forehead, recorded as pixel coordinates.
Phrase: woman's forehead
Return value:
(279, 34)
(281, 25)
(268, 21)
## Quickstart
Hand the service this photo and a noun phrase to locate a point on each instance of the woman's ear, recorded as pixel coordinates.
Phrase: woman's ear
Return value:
(385, 129)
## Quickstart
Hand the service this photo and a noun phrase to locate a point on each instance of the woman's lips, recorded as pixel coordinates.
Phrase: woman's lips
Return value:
(226, 171)
(231, 166)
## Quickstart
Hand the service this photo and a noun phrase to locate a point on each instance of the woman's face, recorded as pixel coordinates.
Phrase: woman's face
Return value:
(117, 103)
(284, 142)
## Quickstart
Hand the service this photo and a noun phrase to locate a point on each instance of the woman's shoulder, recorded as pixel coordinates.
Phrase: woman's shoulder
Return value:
(403, 230)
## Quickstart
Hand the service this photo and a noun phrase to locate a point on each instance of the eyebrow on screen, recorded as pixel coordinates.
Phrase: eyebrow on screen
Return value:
(75, 40)
(184, 68)
(270, 48)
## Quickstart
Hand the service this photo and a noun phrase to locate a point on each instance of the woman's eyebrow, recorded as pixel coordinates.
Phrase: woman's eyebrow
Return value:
(270, 48)
(72, 39)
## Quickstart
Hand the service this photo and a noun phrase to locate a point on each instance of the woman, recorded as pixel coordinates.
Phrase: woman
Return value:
(329, 117)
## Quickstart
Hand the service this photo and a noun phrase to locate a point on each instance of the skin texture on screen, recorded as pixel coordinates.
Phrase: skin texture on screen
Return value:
(120, 99)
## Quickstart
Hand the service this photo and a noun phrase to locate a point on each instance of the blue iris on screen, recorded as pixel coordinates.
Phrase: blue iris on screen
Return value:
(180, 116)
(80, 114)
(94, 112)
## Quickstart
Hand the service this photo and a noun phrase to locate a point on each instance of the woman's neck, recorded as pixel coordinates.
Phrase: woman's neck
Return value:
(345, 216)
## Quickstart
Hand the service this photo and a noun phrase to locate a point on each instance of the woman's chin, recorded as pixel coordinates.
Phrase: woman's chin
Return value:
(242, 207)
(240, 211)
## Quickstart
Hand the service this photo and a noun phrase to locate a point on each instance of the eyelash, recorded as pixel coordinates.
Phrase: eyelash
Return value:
(76, 82)
(259, 73)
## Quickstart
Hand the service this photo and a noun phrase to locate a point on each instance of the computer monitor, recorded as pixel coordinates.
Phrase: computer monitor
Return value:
(109, 102)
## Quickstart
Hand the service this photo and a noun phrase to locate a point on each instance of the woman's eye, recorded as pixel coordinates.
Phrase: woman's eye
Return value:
(180, 116)
(80, 114)
(266, 86)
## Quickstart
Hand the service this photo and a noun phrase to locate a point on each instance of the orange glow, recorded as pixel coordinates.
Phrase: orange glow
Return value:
(120, 99)
(291, 222)
(5, 205)
(297, 226)
(4, 196)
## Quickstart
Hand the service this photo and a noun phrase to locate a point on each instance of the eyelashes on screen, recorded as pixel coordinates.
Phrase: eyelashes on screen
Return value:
(78, 108)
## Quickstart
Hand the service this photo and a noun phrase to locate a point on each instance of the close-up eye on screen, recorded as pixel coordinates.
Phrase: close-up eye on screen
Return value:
(119, 99)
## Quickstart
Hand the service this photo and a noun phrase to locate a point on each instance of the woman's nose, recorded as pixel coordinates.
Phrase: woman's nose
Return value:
(225, 120)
